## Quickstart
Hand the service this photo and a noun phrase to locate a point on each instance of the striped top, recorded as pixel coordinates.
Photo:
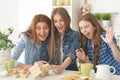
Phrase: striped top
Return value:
(31, 53)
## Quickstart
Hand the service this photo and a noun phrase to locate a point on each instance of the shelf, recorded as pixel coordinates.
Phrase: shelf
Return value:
(61, 2)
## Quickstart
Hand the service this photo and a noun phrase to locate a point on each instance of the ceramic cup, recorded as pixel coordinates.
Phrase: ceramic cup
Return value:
(86, 68)
(104, 72)
(10, 64)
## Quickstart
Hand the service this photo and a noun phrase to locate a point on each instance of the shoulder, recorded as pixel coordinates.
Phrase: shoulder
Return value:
(24, 37)
(71, 35)
(71, 32)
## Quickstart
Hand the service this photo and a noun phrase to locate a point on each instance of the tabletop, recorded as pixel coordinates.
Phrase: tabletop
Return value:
(53, 76)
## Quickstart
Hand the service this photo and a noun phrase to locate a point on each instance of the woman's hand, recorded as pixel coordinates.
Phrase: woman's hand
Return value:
(109, 40)
(24, 66)
(57, 68)
(80, 54)
(42, 62)
(109, 36)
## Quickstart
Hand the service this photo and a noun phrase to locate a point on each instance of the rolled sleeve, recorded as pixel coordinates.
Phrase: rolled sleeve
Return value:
(73, 45)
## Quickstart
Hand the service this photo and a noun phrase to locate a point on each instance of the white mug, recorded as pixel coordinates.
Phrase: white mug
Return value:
(104, 73)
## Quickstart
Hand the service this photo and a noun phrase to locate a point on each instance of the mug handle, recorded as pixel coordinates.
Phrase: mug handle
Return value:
(111, 67)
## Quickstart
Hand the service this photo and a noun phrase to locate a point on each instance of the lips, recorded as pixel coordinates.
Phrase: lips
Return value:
(88, 35)
(60, 29)
(42, 37)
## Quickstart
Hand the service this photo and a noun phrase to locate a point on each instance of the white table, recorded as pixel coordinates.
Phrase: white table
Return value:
(53, 76)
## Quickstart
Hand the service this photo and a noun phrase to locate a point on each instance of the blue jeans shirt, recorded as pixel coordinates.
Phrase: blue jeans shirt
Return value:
(70, 43)
(105, 55)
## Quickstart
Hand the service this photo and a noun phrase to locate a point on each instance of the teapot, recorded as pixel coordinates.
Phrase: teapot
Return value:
(104, 73)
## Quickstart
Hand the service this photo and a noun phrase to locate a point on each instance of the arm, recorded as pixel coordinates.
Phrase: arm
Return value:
(60, 68)
(75, 44)
(18, 48)
(24, 66)
(66, 63)
(109, 39)
(69, 50)
(115, 51)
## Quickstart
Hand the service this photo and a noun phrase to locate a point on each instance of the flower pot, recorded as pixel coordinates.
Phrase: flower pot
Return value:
(5, 54)
(106, 23)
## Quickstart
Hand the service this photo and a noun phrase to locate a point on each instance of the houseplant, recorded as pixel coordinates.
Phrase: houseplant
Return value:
(5, 43)
(5, 49)
(98, 16)
(106, 17)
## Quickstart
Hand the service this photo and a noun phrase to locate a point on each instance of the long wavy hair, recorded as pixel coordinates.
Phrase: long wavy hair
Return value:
(54, 44)
(96, 36)
(31, 31)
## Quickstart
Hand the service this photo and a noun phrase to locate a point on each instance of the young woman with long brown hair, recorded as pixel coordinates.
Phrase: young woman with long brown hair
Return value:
(63, 43)
(97, 45)
(33, 43)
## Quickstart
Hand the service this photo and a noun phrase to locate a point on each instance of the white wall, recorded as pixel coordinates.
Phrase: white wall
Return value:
(110, 6)
(28, 8)
(9, 15)
(19, 13)
(8, 12)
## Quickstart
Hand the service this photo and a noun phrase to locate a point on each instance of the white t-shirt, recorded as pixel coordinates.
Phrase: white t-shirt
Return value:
(61, 51)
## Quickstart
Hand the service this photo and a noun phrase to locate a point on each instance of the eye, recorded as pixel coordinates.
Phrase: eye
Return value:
(55, 21)
(61, 20)
(38, 28)
(46, 27)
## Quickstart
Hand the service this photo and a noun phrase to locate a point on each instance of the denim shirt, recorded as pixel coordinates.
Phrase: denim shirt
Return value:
(105, 54)
(70, 43)
(25, 46)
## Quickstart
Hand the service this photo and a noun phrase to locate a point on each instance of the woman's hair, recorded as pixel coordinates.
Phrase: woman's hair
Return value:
(54, 32)
(96, 37)
(31, 31)
(64, 14)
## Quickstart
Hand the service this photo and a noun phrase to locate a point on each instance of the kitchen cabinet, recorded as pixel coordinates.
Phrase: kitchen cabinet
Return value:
(73, 8)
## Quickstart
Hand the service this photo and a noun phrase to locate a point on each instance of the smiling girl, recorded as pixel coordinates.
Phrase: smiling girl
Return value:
(64, 41)
(97, 45)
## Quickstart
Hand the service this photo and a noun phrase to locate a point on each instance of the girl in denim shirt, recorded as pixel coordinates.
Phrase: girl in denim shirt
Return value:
(98, 46)
(63, 43)
(33, 43)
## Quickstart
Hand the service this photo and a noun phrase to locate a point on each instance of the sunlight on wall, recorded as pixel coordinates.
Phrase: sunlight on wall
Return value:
(29, 8)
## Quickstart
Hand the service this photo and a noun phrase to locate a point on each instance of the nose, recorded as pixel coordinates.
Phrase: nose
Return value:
(42, 31)
(59, 23)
